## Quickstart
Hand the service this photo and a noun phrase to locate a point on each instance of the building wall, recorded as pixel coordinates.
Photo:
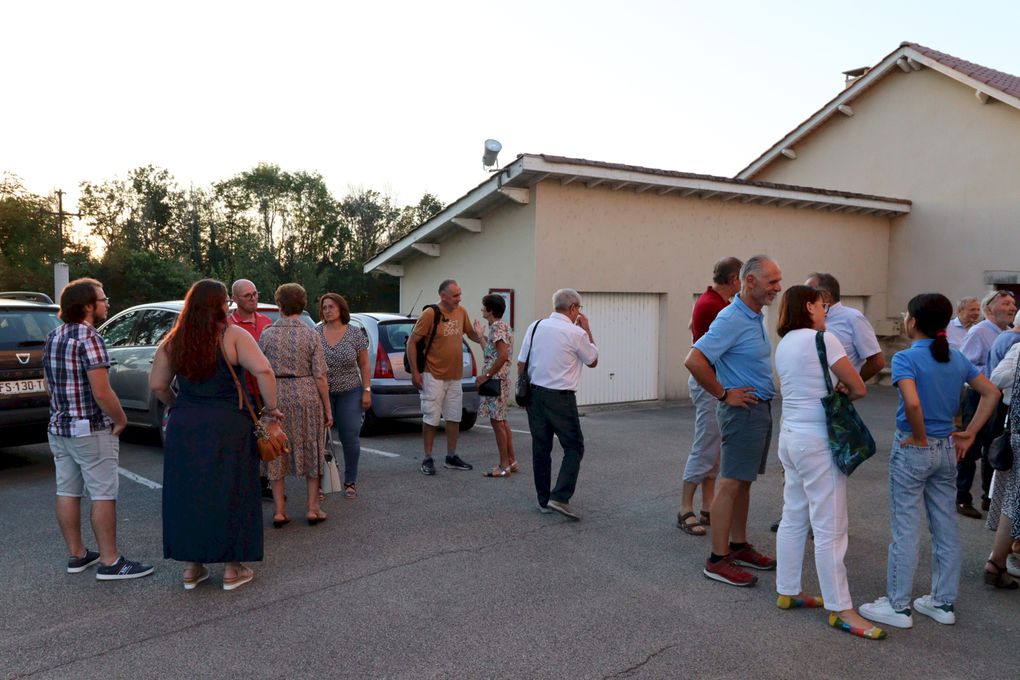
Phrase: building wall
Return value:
(501, 256)
(601, 240)
(926, 137)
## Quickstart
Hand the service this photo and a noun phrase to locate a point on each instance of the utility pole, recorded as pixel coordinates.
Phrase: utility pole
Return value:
(60, 272)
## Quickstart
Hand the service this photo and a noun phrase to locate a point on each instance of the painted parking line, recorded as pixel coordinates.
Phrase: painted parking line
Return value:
(381, 453)
(511, 429)
(138, 478)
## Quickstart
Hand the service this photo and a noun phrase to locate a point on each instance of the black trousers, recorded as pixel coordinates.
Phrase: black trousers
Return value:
(966, 469)
(555, 412)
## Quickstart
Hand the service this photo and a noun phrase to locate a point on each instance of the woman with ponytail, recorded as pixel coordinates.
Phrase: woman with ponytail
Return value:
(922, 466)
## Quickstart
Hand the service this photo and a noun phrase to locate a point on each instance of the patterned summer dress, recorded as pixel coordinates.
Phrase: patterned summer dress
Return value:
(296, 355)
(495, 408)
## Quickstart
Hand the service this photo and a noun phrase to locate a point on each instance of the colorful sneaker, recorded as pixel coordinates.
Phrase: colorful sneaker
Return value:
(749, 557)
(882, 611)
(123, 569)
(455, 463)
(794, 602)
(873, 633)
(76, 565)
(726, 572)
(428, 467)
(943, 613)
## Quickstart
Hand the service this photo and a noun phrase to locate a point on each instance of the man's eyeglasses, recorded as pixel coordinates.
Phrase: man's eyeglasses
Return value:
(250, 296)
(105, 299)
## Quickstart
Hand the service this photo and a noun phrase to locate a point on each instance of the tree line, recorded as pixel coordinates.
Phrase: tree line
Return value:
(148, 238)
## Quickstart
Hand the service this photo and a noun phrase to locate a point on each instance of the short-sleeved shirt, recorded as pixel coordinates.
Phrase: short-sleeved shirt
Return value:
(254, 327)
(560, 347)
(706, 308)
(70, 352)
(343, 374)
(445, 358)
(738, 348)
(938, 385)
(854, 332)
(955, 332)
(977, 343)
(999, 348)
(800, 378)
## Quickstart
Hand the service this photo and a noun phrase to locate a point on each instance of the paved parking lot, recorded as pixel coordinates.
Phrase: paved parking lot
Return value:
(457, 576)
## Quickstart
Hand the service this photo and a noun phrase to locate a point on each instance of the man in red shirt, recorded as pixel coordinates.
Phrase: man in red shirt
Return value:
(703, 461)
(246, 296)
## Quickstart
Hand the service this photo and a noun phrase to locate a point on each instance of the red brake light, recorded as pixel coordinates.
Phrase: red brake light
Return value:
(383, 369)
(474, 366)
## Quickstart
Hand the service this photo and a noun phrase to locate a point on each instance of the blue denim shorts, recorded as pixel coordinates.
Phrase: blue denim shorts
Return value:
(746, 436)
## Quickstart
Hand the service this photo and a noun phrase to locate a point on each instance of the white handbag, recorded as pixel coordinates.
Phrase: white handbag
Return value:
(330, 481)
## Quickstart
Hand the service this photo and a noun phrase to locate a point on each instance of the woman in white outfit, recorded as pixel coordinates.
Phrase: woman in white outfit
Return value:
(814, 495)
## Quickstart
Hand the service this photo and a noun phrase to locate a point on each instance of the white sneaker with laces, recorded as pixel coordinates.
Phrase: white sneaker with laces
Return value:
(881, 611)
(943, 613)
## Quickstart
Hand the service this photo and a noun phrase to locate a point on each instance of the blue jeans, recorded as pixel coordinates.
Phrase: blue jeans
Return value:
(555, 412)
(923, 475)
(347, 417)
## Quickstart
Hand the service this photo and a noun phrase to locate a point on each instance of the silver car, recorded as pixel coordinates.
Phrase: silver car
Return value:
(393, 395)
(131, 338)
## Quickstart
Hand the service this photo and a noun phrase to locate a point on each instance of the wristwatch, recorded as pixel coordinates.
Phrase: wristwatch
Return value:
(722, 397)
(367, 389)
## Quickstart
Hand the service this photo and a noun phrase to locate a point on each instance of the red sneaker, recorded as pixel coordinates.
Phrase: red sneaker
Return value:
(727, 572)
(749, 557)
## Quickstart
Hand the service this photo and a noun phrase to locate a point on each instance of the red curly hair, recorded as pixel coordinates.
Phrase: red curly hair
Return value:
(193, 340)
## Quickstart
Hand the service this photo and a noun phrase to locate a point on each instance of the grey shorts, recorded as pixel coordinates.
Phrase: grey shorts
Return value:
(87, 463)
(746, 436)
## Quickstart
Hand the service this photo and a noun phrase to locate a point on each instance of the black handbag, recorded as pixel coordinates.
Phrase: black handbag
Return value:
(490, 388)
(1000, 451)
(523, 394)
(849, 439)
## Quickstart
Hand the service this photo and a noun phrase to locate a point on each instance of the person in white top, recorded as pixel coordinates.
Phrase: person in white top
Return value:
(850, 326)
(1005, 556)
(553, 352)
(814, 493)
(968, 313)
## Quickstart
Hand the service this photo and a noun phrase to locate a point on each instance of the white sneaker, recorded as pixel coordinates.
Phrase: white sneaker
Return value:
(943, 613)
(881, 611)
(1013, 564)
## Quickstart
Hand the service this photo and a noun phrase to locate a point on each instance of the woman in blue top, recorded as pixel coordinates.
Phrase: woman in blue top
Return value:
(922, 466)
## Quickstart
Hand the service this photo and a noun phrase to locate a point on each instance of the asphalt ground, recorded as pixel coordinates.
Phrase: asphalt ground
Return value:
(458, 576)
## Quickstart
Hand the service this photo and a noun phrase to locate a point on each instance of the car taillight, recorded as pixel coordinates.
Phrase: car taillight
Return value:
(474, 367)
(383, 369)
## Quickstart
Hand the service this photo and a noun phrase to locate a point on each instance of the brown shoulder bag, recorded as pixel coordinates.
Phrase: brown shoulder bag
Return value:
(269, 435)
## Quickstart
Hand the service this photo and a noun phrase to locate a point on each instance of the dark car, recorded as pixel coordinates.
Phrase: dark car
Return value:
(24, 403)
(393, 395)
(131, 338)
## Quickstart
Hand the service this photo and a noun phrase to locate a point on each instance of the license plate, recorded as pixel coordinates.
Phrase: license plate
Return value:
(22, 386)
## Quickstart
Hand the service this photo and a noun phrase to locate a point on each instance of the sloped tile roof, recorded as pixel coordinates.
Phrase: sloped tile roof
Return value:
(1004, 82)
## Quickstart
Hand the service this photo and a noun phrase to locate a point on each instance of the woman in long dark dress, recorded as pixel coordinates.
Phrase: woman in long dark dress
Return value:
(212, 508)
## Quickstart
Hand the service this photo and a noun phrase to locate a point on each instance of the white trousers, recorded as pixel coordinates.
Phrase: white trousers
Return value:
(814, 495)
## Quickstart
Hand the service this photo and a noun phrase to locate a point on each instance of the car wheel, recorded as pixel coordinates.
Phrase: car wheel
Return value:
(467, 420)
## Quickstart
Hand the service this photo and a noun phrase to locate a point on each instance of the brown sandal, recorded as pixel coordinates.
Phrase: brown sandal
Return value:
(691, 529)
(1000, 578)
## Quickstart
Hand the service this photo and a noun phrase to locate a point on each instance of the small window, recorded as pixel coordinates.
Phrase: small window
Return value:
(154, 325)
(117, 333)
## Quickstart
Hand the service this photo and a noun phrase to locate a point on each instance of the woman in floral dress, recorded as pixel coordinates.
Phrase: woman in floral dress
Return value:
(296, 355)
(499, 342)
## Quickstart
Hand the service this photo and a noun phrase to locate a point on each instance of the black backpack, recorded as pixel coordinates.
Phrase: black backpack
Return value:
(423, 346)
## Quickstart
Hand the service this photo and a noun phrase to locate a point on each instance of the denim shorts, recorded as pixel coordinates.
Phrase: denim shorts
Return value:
(746, 436)
(87, 464)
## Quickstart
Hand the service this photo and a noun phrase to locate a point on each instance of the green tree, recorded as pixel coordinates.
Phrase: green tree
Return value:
(29, 242)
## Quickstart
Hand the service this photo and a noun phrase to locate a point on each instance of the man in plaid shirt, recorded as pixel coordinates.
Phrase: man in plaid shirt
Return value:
(86, 420)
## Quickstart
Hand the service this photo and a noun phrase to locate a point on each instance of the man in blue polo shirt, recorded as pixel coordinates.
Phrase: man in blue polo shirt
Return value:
(733, 363)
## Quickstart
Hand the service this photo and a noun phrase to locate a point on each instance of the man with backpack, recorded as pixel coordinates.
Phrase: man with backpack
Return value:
(437, 336)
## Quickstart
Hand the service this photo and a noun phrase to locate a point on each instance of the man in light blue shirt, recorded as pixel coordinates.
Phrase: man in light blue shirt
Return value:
(850, 327)
(733, 363)
(999, 307)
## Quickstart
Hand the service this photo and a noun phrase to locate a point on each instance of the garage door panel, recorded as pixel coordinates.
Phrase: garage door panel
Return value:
(626, 330)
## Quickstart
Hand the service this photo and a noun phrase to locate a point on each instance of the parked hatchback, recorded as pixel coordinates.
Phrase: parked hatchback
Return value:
(393, 395)
(131, 338)
(24, 403)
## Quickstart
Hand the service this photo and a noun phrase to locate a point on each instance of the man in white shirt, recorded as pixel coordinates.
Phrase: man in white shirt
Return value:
(850, 327)
(968, 312)
(552, 353)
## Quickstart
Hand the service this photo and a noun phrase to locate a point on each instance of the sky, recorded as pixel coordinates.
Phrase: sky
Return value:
(400, 96)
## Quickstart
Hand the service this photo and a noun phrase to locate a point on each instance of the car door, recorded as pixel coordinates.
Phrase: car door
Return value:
(136, 362)
(118, 334)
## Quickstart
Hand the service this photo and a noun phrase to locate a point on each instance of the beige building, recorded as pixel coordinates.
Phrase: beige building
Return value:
(930, 166)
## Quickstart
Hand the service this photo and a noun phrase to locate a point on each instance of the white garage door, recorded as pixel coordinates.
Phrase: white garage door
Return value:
(626, 330)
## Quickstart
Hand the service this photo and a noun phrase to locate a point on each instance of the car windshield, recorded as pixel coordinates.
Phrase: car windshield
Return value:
(26, 328)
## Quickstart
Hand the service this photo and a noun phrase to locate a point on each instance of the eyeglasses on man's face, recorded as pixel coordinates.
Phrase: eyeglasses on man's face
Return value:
(104, 300)
(250, 296)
